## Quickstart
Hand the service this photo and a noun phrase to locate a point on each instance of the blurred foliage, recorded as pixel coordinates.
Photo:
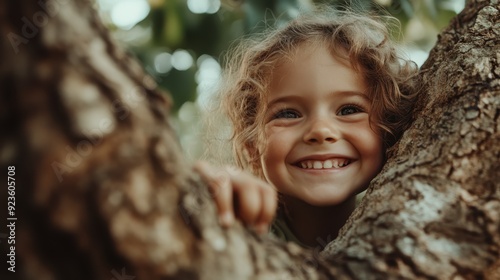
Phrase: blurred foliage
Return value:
(208, 27)
(171, 25)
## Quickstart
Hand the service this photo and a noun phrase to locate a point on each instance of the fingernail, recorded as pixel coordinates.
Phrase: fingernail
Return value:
(226, 219)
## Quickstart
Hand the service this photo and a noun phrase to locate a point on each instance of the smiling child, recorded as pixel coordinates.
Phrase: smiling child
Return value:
(314, 106)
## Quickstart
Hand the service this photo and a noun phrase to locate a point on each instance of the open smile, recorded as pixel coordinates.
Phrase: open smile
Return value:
(333, 163)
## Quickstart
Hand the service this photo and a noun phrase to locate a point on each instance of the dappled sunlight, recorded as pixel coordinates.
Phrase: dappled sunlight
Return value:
(204, 6)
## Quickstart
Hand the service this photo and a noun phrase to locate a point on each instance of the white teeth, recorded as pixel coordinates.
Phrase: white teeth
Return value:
(317, 165)
(327, 164)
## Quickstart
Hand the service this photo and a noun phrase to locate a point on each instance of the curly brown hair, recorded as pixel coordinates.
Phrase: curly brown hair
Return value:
(362, 39)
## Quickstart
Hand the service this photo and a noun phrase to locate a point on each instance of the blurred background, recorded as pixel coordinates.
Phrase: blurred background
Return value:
(181, 42)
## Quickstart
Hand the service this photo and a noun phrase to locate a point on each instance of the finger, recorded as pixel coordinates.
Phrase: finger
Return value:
(248, 197)
(219, 184)
(202, 167)
(268, 208)
(248, 205)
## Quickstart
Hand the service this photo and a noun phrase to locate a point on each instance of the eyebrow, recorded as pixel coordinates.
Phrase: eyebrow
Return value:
(298, 98)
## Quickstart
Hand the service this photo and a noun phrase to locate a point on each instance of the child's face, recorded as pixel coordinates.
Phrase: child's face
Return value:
(320, 147)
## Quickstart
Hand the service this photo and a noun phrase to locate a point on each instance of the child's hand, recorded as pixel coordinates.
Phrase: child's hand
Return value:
(238, 193)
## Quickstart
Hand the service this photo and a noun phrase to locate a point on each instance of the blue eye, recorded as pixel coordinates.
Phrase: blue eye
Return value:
(286, 114)
(350, 109)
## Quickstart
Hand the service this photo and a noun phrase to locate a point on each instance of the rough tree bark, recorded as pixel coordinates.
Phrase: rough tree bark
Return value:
(434, 211)
(103, 191)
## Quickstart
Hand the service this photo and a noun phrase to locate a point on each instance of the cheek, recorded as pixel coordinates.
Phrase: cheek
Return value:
(376, 152)
(371, 146)
(275, 151)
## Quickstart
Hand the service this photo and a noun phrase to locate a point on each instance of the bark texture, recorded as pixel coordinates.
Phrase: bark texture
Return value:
(103, 191)
(434, 211)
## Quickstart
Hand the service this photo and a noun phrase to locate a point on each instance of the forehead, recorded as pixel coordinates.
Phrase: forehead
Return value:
(315, 67)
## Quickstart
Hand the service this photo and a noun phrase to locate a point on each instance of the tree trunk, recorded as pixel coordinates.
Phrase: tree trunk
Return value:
(434, 211)
(102, 190)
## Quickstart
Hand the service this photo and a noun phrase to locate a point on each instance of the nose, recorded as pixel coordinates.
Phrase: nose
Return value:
(322, 130)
